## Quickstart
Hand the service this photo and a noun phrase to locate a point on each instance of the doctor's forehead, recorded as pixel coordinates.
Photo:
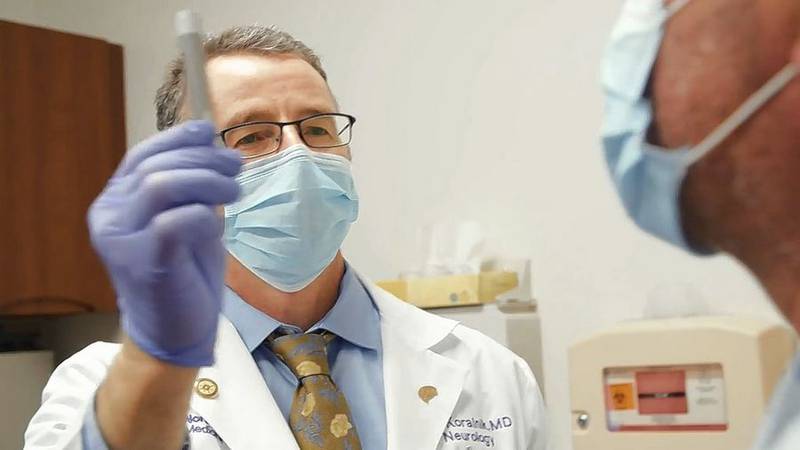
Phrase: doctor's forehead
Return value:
(247, 87)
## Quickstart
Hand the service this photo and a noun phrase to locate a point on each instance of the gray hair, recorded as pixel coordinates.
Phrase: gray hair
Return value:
(254, 39)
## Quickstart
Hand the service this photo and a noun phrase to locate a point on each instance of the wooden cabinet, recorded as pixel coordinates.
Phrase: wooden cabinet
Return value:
(62, 133)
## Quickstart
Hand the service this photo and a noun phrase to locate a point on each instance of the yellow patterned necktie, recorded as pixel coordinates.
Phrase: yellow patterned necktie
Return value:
(320, 417)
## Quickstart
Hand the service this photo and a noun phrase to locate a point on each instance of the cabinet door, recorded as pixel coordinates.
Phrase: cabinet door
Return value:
(62, 133)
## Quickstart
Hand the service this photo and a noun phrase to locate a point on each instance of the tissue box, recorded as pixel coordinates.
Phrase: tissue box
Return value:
(452, 290)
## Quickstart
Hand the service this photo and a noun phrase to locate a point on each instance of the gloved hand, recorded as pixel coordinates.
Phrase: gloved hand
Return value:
(156, 229)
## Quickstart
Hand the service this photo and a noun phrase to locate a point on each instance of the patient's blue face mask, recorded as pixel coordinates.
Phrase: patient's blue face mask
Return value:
(649, 178)
(294, 212)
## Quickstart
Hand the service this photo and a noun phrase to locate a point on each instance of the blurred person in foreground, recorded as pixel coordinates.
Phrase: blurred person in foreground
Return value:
(702, 138)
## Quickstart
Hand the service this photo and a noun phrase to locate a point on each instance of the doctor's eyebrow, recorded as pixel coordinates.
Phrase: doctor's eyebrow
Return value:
(266, 114)
(248, 115)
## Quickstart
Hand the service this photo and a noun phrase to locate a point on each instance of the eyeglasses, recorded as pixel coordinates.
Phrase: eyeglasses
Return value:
(319, 132)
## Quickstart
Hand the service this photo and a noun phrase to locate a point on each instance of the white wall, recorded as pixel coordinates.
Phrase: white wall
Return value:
(486, 110)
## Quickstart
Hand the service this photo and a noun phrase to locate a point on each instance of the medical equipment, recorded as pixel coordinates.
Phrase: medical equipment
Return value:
(293, 214)
(138, 232)
(190, 40)
(688, 383)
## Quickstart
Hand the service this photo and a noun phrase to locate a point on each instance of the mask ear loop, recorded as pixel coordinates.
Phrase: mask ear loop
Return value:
(745, 111)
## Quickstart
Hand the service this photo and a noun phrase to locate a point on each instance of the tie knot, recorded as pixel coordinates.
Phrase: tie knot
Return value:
(304, 354)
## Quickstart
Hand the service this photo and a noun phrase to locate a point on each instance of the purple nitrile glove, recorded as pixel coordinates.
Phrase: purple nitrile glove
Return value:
(156, 229)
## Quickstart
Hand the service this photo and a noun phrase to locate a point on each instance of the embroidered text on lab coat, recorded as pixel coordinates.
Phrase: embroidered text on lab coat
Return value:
(475, 429)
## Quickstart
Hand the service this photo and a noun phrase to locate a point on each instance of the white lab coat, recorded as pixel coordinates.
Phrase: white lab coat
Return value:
(487, 396)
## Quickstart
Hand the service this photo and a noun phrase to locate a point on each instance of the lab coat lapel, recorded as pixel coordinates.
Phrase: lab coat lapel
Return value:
(413, 372)
(244, 413)
(410, 375)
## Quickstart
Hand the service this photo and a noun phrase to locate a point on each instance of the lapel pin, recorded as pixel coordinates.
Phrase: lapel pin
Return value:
(427, 393)
(206, 388)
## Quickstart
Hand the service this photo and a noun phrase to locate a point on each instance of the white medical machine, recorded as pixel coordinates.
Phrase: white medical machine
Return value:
(698, 383)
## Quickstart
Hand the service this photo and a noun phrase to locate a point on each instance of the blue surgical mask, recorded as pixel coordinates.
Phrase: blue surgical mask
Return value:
(294, 212)
(649, 178)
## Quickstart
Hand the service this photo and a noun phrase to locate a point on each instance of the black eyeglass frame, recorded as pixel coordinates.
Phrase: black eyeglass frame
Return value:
(350, 118)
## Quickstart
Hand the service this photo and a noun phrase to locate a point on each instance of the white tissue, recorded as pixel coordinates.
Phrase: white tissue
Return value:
(451, 248)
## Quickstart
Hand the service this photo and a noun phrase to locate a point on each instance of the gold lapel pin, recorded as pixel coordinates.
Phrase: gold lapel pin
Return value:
(427, 393)
(206, 388)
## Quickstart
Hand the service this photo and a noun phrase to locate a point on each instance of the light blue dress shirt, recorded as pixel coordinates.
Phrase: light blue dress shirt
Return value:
(781, 427)
(355, 356)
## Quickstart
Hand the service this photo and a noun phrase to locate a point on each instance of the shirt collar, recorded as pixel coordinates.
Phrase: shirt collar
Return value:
(354, 317)
(252, 325)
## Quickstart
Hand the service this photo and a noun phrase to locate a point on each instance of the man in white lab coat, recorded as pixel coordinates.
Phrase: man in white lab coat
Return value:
(287, 346)
(701, 135)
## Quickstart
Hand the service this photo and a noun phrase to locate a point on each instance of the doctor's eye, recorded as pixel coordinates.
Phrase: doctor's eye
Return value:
(320, 136)
(254, 139)
(250, 139)
(316, 131)
(326, 130)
